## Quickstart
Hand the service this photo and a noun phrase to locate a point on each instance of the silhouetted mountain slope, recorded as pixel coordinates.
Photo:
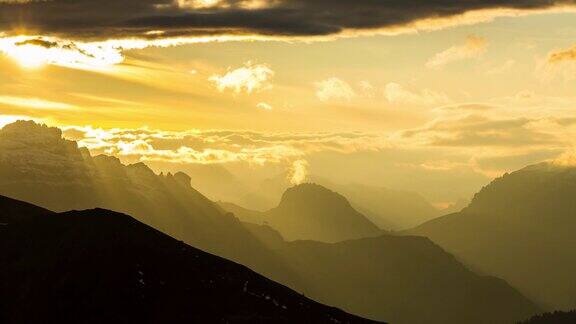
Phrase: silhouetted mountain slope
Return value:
(553, 318)
(11, 209)
(98, 266)
(312, 212)
(403, 279)
(520, 228)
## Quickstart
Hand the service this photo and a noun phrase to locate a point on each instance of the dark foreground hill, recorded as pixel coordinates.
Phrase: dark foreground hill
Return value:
(553, 318)
(520, 228)
(404, 280)
(98, 266)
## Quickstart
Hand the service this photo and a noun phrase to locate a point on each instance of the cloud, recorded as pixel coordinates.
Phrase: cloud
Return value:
(105, 19)
(238, 4)
(218, 147)
(499, 69)
(34, 52)
(248, 79)
(35, 103)
(464, 108)
(564, 55)
(473, 47)
(90, 33)
(334, 89)
(298, 173)
(395, 93)
(264, 106)
(477, 130)
(557, 64)
(367, 89)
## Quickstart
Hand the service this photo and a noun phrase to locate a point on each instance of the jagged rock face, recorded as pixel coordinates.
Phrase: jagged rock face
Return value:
(30, 152)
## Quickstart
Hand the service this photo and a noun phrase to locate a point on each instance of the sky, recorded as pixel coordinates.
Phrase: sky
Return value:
(437, 97)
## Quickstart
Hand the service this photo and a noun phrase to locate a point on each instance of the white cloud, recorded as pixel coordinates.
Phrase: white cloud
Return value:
(210, 4)
(395, 93)
(35, 103)
(264, 106)
(367, 89)
(499, 69)
(249, 78)
(473, 47)
(334, 89)
(298, 172)
(35, 52)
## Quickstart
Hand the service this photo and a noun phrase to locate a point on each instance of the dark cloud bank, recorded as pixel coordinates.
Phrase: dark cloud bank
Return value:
(81, 19)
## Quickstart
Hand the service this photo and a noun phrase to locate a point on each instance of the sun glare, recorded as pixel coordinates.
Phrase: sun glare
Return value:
(33, 52)
(30, 56)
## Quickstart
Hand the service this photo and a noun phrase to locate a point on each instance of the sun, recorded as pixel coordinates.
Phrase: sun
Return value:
(30, 56)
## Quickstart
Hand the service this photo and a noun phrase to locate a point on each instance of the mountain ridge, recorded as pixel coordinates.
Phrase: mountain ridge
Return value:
(154, 278)
(520, 228)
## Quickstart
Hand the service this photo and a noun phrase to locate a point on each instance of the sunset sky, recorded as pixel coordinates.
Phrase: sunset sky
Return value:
(433, 96)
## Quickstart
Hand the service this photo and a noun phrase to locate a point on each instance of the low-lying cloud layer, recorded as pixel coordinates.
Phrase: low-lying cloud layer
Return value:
(460, 137)
(217, 147)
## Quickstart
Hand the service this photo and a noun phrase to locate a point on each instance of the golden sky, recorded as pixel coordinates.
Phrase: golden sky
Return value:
(417, 101)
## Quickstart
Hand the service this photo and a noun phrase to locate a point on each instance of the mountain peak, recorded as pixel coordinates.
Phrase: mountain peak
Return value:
(313, 212)
(30, 132)
(183, 178)
(542, 190)
(311, 193)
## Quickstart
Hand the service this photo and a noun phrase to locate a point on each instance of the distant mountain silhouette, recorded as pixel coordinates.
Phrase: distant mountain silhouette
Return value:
(312, 212)
(38, 166)
(520, 228)
(98, 266)
(389, 209)
(553, 318)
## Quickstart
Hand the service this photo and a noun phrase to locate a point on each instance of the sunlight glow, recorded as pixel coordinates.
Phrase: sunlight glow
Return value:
(30, 57)
(35, 103)
(34, 52)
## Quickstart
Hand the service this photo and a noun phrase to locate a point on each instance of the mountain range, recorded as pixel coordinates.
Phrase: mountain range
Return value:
(520, 228)
(97, 266)
(389, 209)
(382, 277)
